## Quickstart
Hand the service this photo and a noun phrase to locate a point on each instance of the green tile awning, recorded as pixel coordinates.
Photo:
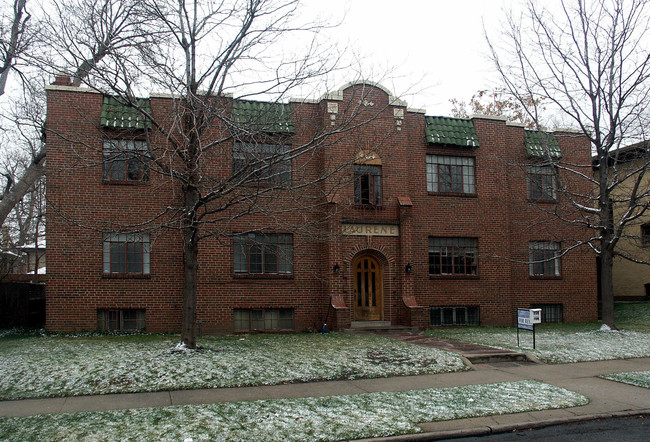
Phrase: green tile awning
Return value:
(541, 144)
(116, 113)
(451, 131)
(258, 116)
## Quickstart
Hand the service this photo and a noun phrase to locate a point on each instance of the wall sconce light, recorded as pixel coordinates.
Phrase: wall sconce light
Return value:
(408, 268)
(337, 269)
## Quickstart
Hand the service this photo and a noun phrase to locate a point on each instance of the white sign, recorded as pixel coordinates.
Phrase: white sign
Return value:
(526, 318)
(370, 229)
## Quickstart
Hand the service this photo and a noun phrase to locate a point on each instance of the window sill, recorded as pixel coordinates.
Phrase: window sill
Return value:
(454, 194)
(545, 277)
(453, 276)
(125, 276)
(542, 201)
(360, 206)
(125, 182)
(255, 276)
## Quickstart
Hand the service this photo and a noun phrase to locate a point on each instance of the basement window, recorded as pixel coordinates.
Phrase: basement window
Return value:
(121, 319)
(550, 312)
(458, 315)
(277, 319)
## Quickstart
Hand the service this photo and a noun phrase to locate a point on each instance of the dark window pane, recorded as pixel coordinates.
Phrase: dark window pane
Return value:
(457, 178)
(255, 256)
(445, 178)
(134, 257)
(118, 257)
(257, 320)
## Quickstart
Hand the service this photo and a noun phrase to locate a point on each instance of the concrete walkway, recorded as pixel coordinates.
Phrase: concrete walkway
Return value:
(607, 398)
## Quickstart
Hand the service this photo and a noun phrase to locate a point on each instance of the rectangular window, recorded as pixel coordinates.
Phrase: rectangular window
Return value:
(450, 174)
(645, 235)
(367, 184)
(263, 319)
(125, 160)
(126, 253)
(256, 253)
(544, 257)
(550, 312)
(463, 315)
(269, 163)
(121, 319)
(453, 256)
(541, 182)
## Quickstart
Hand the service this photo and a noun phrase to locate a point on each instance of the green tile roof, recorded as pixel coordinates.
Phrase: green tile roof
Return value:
(117, 114)
(258, 116)
(541, 144)
(451, 131)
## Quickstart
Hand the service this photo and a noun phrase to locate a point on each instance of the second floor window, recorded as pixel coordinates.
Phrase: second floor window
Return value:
(125, 160)
(126, 253)
(541, 183)
(256, 253)
(453, 256)
(447, 174)
(268, 163)
(367, 184)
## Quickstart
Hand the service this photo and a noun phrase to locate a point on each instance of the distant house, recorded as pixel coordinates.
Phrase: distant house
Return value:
(436, 228)
(632, 280)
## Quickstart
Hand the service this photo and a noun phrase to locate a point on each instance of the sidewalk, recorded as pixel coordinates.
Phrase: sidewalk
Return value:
(607, 398)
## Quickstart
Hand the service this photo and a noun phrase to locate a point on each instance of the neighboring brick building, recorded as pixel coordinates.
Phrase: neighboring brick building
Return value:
(434, 225)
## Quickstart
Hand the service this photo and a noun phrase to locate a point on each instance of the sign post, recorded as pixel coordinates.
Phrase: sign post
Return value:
(526, 320)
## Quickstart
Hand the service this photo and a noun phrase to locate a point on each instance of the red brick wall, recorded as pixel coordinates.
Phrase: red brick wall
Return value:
(81, 207)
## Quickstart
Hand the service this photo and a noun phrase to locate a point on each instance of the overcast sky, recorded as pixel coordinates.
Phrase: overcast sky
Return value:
(437, 48)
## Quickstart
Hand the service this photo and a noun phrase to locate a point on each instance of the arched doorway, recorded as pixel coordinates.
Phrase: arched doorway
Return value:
(368, 289)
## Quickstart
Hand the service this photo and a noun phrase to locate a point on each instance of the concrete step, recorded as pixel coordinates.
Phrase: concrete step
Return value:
(361, 327)
(494, 357)
(369, 324)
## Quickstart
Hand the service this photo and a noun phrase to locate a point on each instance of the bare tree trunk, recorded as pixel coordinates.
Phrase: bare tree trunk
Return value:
(607, 286)
(190, 268)
(32, 174)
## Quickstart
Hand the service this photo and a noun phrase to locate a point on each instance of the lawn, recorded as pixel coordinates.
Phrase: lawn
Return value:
(563, 343)
(44, 365)
(638, 378)
(324, 418)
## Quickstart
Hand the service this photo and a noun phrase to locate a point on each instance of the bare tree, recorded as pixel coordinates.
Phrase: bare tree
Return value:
(498, 103)
(74, 35)
(589, 61)
(206, 52)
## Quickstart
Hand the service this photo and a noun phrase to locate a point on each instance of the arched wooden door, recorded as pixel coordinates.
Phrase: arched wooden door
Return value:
(368, 289)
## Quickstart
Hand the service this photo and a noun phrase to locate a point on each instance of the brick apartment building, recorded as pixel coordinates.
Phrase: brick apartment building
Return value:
(433, 221)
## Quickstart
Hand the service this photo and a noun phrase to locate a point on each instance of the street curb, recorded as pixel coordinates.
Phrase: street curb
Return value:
(506, 428)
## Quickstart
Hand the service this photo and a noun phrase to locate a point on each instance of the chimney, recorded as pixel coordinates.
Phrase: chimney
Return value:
(62, 79)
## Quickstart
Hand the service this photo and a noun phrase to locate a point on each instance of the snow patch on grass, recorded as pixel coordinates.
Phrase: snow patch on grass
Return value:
(558, 344)
(48, 366)
(325, 418)
(638, 378)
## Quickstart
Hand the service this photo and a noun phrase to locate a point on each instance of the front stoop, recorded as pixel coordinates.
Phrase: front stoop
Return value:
(363, 327)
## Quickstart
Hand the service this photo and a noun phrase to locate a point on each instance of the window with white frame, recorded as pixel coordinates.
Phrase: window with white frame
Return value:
(268, 163)
(126, 160)
(541, 182)
(447, 174)
(126, 253)
(257, 253)
(544, 258)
